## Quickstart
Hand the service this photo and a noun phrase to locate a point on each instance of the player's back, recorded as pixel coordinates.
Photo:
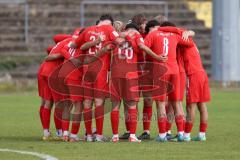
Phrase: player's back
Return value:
(125, 57)
(192, 59)
(51, 65)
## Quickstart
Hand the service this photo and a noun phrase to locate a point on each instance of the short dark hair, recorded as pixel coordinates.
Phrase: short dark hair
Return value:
(139, 19)
(132, 25)
(106, 17)
(150, 24)
(97, 22)
(167, 23)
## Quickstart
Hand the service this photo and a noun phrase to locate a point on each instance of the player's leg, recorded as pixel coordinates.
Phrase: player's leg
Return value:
(68, 105)
(115, 120)
(203, 122)
(179, 119)
(41, 94)
(46, 116)
(126, 134)
(147, 101)
(162, 121)
(76, 120)
(133, 117)
(46, 105)
(58, 110)
(170, 119)
(198, 92)
(147, 116)
(173, 98)
(99, 118)
(190, 117)
(102, 86)
(87, 115)
(41, 110)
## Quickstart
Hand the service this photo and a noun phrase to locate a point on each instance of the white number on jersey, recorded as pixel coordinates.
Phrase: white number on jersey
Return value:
(128, 52)
(165, 46)
(98, 47)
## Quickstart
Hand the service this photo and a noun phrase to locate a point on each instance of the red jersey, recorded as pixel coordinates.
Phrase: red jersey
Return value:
(180, 59)
(125, 58)
(91, 34)
(166, 43)
(76, 74)
(192, 59)
(60, 37)
(50, 66)
(189, 55)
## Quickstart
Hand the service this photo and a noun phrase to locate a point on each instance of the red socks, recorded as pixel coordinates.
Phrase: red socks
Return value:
(58, 118)
(46, 113)
(168, 125)
(188, 127)
(147, 116)
(87, 114)
(65, 125)
(203, 127)
(179, 123)
(132, 116)
(41, 114)
(162, 124)
(99, 117)
(115, 121)
(75, 127)
(127, 125)
(184, 123)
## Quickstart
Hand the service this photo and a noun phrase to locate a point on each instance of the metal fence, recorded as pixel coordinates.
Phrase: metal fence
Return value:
(89, 2)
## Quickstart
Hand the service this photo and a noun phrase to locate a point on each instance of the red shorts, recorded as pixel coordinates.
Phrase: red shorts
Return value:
(51, 92)
(182, 85)
(122, 88)
(146, 81)
(75, 89)
(198, 88)
(40, 86)
(43, 88)
(170, 89)
(58, 96)
(96, 85)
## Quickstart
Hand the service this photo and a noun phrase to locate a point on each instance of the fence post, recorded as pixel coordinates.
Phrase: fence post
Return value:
(226, 41)
(26, 22)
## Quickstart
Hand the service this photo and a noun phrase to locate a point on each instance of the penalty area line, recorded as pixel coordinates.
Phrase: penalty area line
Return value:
(36, 154)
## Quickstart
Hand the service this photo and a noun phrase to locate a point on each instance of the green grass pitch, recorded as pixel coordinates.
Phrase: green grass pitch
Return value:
(20, 129)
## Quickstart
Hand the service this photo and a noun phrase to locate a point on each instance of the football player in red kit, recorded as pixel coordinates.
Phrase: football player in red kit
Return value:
(198, 92)
(166, 43)
(105, 30)
(197, 88)
(73, 77)
(47, 96)
(140, 20)
(46, 102)
(147, 103)
(123, 59)
(124, 76)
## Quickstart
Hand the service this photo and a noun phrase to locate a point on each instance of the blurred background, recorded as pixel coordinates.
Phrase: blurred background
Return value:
(27, 28)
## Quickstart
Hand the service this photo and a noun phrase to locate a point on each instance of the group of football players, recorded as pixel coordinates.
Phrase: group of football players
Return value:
(152, 59)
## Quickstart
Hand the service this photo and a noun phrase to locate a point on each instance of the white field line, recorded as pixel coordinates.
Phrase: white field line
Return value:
(42, 156)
